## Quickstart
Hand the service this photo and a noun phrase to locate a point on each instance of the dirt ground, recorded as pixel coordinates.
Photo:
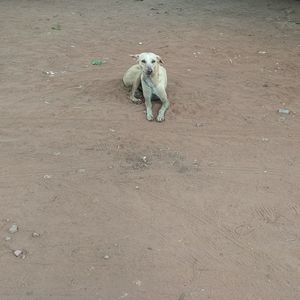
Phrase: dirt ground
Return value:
(203, 206)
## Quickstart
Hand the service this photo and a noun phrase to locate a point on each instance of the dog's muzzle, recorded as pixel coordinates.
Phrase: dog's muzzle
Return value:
(149, 72)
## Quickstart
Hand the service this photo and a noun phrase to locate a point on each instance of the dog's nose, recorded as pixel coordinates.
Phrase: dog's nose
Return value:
(149, 71)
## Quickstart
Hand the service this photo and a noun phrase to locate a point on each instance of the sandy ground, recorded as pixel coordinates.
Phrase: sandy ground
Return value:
(205, 205)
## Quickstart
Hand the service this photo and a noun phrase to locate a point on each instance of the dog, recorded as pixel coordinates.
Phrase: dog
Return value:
(151, 76)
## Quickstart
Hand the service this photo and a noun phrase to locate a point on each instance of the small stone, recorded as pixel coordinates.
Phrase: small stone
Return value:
(138, 283)
(106, 257)
(7, 238)
(137, 187)
(140, 43)
(19, 253)
(36, 234)
(283, 111)
(47, 176)
(144, 159)
(13, 228)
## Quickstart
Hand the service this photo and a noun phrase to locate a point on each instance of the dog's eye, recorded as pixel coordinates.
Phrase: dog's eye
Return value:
(143, 61)
(153, 61)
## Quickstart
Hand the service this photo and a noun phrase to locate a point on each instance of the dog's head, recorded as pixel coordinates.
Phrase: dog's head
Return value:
(148, 61)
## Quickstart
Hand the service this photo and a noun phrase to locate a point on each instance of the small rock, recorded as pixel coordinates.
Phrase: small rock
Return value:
(262, 52)
(19, 253)
(140, 43)
(13, 228)
(7, 238)
(144, 159)
(35, 234)
(138, 283)
(137, 187)
(106, 257)
(283, 111)
(47, 176)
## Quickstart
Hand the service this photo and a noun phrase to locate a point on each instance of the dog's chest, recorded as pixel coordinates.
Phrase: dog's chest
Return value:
(149, 84)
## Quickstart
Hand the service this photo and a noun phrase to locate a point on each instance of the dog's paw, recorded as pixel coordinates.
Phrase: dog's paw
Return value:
(149, 116)
(136, 100)
(160, 118)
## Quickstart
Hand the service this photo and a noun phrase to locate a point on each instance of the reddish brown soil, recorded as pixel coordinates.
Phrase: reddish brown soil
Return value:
(205, 205)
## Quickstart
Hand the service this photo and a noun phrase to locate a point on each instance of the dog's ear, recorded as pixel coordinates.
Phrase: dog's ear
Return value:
(135, 56)
(159, 59)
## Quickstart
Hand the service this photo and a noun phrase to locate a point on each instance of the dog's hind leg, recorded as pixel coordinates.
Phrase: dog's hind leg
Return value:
(135, 87)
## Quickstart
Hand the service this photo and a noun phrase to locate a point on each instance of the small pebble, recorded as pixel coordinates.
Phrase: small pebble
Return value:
(19, 253)
(14, 228)
(47, 176)
(283, 111)
(138, 283)
(140, 43)
(137, 187)
(106, 257)
(35, 234)
(144, 159)
(7, 238)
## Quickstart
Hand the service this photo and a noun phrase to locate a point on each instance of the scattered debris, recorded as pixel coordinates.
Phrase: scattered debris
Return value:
(56, 27)
(19, 253)
(138, 283)
(36, 234)
(13, 228)
(50, 73)
(97, 62)
(283, 111)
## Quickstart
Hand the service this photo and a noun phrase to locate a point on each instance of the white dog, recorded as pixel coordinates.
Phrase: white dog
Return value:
(153, 77)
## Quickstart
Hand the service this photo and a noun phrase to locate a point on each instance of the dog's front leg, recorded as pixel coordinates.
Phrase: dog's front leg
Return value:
(161, 93)
(148, 95)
